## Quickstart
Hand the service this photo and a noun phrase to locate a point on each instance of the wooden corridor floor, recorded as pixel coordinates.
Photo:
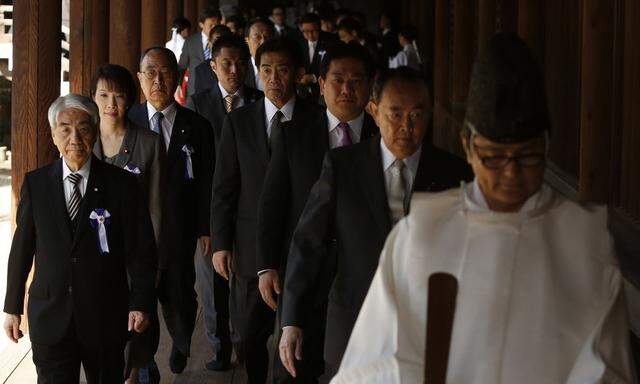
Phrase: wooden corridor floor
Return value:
(195, 373)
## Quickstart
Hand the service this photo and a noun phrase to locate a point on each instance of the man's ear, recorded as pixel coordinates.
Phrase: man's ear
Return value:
(321, 82)
(201, 25)
(213, 65)
(373, 110)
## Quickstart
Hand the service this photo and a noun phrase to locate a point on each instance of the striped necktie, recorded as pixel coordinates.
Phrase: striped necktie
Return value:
(73, 205)
(228, 102)
(397, 190)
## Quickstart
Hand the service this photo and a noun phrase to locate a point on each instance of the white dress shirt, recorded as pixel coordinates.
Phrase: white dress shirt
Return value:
(205, 41)
(256, 74)
(312, 49)
(407, 57)
(409, 171)
(82, 184)
(238, 101)
(270, 110)
(167, 122)
(335, 134)
(175, 44)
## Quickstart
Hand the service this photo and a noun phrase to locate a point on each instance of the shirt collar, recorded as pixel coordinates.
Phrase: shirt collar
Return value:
(83, 171)
(355, 124)
(410, 162)
(312, 43)
(169, 112)
(205, 38)
(224, 92)
(286, 109)
(255, 68)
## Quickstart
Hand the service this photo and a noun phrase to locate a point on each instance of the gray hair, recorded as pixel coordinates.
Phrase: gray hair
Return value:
(73, 101)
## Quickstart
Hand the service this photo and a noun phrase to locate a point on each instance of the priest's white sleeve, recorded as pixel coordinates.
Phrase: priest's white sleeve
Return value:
(371, 355)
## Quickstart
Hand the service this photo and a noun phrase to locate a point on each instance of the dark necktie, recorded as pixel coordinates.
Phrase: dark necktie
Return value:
(346, 134)
(73, 205)
(156, 126)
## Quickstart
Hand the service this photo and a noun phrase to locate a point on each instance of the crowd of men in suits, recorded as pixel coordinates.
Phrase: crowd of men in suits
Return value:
(294, 157)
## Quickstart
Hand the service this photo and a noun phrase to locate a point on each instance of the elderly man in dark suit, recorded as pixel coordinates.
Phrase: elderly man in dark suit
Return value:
(243, 157)
(362, 191)
(195, 49)
(86, 227)
(230, 58)
(346, 77)
(188, 167)
(258, 31)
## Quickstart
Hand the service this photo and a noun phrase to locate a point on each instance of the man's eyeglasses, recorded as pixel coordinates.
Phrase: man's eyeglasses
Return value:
(498, 162)
(152, 73)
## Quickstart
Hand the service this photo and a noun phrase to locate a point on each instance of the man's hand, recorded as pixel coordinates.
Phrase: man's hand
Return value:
(268, 282)
(12, 327)
(205, 245)
(222, 263)
(290, 345)
(138, 321)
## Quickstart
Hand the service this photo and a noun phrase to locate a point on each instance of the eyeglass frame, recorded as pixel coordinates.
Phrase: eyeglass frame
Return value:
(165, 73)
(507, 159)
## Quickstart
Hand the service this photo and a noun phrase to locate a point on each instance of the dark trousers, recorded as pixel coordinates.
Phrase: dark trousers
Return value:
(252, 322)
(177, 297)
(60, 363)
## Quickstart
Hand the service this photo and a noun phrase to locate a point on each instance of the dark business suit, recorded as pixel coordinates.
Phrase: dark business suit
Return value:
(79, 299)
(141, 153)
(295, 166)
(347, 211)
(241, 165)
(185, 217)
(192, 55)
(311, 91)
(250, 80)
(204, 78)
(211, 106)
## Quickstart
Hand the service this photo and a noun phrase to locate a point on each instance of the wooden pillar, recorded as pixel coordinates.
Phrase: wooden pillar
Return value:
(152, 23)
(202, 4)
(191, 13)
(36, 84)
(89, 46)
(531, 26)
(596, 99)
(441, 72)
(174, 9)
(507, 16)
(486, 22)
(124, 34)
(463, 54)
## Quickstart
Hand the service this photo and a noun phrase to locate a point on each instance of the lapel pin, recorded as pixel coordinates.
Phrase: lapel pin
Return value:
(126, 150)
(95, 189)
(182, 131)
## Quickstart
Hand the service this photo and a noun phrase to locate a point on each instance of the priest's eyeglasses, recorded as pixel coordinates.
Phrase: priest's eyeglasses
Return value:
(151, 73)
(528, 160)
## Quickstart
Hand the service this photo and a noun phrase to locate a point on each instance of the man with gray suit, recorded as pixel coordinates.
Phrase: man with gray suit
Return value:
(195, 49)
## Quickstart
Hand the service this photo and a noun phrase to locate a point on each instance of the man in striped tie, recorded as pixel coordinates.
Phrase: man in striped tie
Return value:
(86, 226)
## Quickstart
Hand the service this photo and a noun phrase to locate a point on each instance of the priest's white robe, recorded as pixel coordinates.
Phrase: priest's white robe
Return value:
(539, 298)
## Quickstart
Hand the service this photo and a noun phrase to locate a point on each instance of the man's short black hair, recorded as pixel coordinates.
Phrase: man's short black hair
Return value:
(350, 25)
(230, 41)
(258, 20)
(219, 30)
(310, 18)
(408, 32)
(281, 45)
(181, 23)
(209, 12)
(173, 62)
(279, 6)
(347, 51)
(403, 74)
(237, 20)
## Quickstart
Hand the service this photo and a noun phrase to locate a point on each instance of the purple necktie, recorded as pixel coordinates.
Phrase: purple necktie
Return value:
(346, 135)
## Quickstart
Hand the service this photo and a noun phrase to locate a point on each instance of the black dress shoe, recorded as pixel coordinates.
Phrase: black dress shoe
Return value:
(218, 365)
(177, 361)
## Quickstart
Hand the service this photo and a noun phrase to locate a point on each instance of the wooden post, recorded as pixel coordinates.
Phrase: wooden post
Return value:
(596, 99)
(463, 54)
(174, 9)
(191, 13)
(507, 16)
(441, 72)
(36, 84)
(152, 23)
(531, 26)
(486, 22)
(202, 4)
(125, 34)
(89, 46)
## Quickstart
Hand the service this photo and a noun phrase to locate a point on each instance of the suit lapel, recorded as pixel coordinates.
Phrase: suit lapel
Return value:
(318, 138)
(369, 127)
(216, 101)
(128, 144)
(179, 135)
(59, 201)
(91, 199)
(424, 180)
(372, 184)
(140, 115)
(259, 132)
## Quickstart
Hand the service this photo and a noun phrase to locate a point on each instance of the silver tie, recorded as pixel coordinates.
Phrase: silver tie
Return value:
(396, 190)
(76, 197)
